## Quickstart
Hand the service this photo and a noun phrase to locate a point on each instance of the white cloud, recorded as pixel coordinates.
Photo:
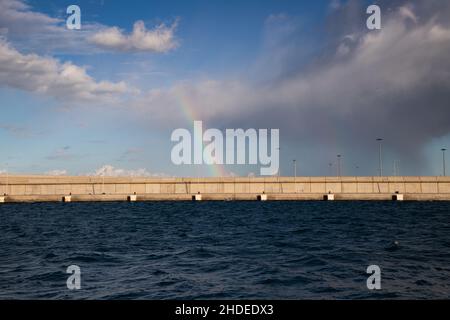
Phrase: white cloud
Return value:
(203, 100)
(56, 172)
(30, 30)
(38, 32)
(110, 171)
(407, 12)
(17, 18)
(51, 77)
(160, 39)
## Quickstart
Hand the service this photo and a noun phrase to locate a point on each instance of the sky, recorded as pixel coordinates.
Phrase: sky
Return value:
(105, 99)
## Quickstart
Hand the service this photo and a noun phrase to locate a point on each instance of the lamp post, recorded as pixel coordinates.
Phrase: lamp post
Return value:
(279, 166)
(197, 171)
(7, 179)
(295, 174)
(339, 165)
(279, 172)
(103, 180)
(295, 168)
(380, 159)
(396, 168)
(443, 161)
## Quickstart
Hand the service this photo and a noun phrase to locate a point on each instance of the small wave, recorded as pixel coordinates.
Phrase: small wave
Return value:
(50, 256)
(301, 230)
(96, 257)
(49, 276)
(314, 262)
(159, 272)
(422, 282)
(200, 252)
(302, 280)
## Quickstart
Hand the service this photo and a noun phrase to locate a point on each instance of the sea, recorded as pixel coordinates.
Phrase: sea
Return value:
(225, 250)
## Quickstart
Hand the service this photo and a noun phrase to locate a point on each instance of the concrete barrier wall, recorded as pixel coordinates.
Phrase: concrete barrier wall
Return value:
(91, 186)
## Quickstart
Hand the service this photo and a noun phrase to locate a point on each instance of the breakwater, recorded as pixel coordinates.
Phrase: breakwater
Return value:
(15, 188)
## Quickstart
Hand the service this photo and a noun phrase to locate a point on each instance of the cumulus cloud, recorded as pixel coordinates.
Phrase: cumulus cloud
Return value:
(160, 39)
(43, 74)
(23, 30)
(17, 18)
(34, 31)
(110, 171)
(49, 76)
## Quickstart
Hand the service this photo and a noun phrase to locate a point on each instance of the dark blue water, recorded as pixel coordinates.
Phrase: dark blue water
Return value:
(225, 250)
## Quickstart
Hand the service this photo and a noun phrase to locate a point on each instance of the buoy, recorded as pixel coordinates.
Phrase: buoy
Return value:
(394, 246)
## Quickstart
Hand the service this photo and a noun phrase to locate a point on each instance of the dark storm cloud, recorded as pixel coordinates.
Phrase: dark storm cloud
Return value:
(393, 83)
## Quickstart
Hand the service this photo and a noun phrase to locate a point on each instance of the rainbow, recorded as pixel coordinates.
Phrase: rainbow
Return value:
(187, 107)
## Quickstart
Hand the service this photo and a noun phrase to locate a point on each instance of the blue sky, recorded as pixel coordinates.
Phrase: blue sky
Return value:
(308, 68)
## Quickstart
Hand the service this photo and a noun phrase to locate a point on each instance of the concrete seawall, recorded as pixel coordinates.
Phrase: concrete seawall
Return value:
(47, 188)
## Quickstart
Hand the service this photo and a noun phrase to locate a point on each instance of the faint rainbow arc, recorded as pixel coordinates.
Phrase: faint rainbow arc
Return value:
(187, 107)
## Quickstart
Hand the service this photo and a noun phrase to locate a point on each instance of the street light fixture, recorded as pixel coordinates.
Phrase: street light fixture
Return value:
(103, 180)
(7, 179)
(295, 174)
